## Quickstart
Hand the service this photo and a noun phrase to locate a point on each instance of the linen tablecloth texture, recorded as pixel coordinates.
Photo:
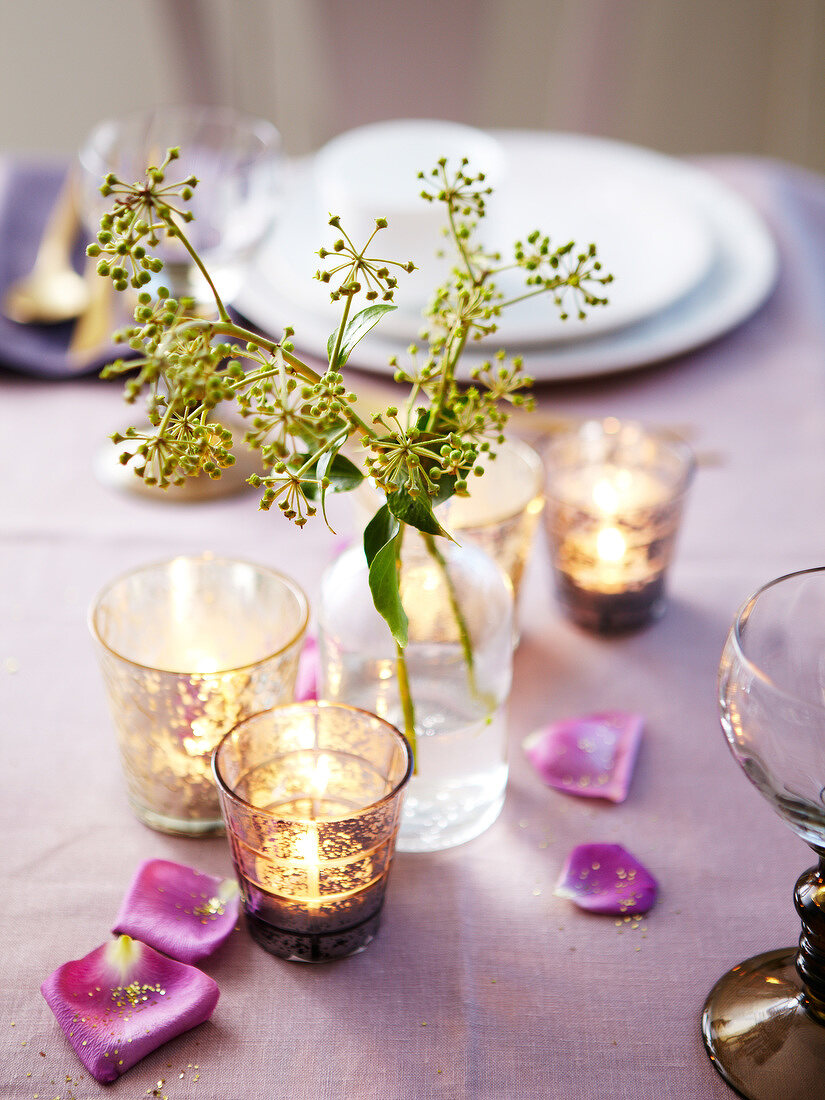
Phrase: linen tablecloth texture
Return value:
(481, 983)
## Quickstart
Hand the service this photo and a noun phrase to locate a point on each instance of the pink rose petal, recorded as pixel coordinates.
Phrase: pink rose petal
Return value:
(309, 667)
(605, 878)
(178, 910)
(124, 1000)
(592, 756)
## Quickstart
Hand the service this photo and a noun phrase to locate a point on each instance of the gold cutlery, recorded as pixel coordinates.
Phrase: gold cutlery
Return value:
(52, 291)
(95, 325)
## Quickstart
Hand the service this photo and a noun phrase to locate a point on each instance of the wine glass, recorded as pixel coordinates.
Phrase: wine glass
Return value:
(238, 163)
(764, 1022)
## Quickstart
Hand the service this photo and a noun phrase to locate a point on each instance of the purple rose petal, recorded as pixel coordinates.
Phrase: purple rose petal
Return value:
(605, 878)
(309, 667)
(124, 1000)
(178, 910)
(592, 756)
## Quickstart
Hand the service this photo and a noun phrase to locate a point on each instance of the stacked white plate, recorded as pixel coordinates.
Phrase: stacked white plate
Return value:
(691, 259)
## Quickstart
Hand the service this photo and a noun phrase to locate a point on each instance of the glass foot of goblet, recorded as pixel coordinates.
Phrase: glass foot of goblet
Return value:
(759, 1033)
(764, 1022)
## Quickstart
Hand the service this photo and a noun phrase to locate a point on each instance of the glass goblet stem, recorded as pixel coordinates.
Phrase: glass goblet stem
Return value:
(809, 898)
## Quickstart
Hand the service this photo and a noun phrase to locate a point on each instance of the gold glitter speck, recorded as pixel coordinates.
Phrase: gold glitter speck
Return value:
(214, 907)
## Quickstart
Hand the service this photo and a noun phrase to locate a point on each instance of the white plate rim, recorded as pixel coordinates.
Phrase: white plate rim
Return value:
(740, 280)
(676, 264)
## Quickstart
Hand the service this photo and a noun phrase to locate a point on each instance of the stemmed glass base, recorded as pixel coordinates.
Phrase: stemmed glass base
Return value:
(764, 1021)
(760, 1033)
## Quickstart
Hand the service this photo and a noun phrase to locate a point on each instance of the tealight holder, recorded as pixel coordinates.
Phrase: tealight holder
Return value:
(187, 648)
(615, 495)
(311, 794)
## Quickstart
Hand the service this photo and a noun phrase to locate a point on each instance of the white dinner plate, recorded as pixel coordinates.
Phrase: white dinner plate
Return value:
(736, 277)
(576, 189)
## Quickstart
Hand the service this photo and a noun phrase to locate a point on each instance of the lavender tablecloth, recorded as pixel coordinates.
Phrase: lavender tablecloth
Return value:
(481, 983)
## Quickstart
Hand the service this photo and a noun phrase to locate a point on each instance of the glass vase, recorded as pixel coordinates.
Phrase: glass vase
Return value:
(459, 667)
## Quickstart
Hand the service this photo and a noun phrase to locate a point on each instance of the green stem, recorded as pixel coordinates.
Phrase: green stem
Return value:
(407, 708)
(458, 614)
(339, 336)
(174, 230)
(402, 672)
(452, 354)
(229, 328)
(463, 630)
(459, 243)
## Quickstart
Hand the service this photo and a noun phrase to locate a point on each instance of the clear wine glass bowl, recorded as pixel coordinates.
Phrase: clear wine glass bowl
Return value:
(238, 162)
(764, 1021)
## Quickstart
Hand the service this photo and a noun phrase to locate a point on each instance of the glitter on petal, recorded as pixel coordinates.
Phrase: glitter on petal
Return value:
(592, 756)
(178, 910)
(122, 1001)
(306, 685)
(605, 878)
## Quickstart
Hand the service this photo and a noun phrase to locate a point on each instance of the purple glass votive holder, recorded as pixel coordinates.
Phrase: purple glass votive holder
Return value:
(615, 495)
(311, 796)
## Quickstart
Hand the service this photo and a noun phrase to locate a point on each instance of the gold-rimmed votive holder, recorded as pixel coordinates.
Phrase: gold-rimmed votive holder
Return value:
(615, 495)
(187, 648)
(311, 793)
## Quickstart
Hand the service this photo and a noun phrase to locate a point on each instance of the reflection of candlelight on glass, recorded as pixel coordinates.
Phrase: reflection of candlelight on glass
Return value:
(306, 849)
(615, 494)
(311, 794)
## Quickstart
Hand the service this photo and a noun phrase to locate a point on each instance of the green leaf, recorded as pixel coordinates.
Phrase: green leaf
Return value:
(446, 488)
(415, 511)
(355, 331)
(343, 475)
(379, 547)
(381, 529)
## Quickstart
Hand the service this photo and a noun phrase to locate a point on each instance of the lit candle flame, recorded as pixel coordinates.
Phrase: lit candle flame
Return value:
(610, 544)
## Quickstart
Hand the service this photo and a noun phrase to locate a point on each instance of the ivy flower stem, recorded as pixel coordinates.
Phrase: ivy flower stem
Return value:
(457, 238)
(405, 696)
(464, 638)
(339, 335)
(452, 355)
(455, 607)
(229, 328)
(299, 418)
(174, 230)
(402, 672)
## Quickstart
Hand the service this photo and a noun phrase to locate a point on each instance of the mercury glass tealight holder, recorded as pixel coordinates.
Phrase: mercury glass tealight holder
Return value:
(311, 793)
(187, 648)
(615, 495)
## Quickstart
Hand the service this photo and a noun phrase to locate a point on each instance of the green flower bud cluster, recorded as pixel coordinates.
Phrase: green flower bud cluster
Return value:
(187, 448)
(352, 271)
(299, 418)
(287, 488)
(142, 211)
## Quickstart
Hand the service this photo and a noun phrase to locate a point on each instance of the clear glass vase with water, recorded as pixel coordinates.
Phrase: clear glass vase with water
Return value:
(459, 663)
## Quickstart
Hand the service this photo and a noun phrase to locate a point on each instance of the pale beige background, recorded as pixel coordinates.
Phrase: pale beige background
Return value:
(683, 76)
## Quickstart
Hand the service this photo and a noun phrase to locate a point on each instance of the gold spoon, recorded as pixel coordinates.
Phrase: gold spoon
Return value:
(52, 291)
(95, 324)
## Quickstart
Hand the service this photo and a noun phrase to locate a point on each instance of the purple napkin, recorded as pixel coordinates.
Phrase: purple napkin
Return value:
(27, 191)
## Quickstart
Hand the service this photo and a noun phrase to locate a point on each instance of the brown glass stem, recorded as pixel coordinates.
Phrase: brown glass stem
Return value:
(809, 898)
